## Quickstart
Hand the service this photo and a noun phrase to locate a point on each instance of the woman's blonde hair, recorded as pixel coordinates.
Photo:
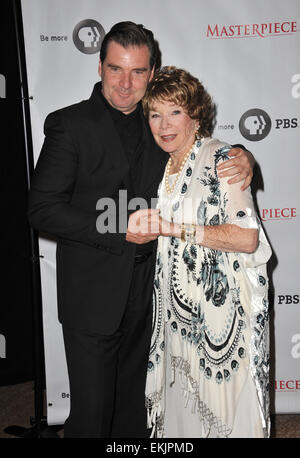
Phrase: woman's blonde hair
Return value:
(175, 85)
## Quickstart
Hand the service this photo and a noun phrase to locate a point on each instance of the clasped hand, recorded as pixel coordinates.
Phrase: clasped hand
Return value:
(146, 225)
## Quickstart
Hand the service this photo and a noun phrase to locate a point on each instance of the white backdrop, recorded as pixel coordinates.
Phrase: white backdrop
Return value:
(246, 52)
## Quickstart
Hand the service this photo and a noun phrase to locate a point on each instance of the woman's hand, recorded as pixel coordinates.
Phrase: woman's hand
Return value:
(225, 237)
(164, 227)
(143, 226)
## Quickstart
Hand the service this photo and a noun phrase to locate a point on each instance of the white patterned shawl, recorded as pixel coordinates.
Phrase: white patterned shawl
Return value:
(215, 303)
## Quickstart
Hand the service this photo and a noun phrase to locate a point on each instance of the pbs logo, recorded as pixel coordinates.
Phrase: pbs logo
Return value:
(88, 36)
(255, 124)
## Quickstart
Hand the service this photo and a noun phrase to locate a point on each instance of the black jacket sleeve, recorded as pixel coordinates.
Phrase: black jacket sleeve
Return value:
(51, 207)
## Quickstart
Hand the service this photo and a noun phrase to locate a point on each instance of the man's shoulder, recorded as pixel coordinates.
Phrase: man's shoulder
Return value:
(73, 111)
(87, 108)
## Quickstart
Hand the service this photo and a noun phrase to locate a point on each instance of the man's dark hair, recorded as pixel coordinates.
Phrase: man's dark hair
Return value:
(130, 34)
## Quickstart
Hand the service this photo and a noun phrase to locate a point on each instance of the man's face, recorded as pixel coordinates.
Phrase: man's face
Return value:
(125, 74)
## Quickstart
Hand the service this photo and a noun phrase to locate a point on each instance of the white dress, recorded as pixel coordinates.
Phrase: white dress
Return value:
(208, 370)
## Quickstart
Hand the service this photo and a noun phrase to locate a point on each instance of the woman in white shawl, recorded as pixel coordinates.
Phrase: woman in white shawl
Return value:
(209, 359)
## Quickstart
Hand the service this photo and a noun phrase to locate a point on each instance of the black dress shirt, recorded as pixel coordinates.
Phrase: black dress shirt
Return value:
(129, 128)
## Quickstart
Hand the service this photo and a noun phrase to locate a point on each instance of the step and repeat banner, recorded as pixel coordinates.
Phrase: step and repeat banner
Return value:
(246, 53)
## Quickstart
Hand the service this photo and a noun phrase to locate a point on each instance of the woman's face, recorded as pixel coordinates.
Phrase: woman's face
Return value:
(172, 128)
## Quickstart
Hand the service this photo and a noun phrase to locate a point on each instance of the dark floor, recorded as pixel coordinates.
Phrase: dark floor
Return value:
(17, 407)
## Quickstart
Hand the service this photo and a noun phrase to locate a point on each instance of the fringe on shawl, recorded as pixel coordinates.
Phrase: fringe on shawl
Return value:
(190, 392)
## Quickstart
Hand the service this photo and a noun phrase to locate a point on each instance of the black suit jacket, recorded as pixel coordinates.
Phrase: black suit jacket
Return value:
(81, 161)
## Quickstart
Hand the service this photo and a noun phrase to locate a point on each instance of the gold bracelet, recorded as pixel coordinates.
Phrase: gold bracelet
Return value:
(182, 236)
(190, 233)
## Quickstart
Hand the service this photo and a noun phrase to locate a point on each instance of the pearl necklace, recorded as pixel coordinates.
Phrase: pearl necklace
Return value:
(169, 188)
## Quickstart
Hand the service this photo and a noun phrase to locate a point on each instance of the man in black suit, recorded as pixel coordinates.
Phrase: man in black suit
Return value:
(92, 151)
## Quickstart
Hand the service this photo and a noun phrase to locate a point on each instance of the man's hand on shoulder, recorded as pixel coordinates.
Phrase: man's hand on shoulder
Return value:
(240, 167)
